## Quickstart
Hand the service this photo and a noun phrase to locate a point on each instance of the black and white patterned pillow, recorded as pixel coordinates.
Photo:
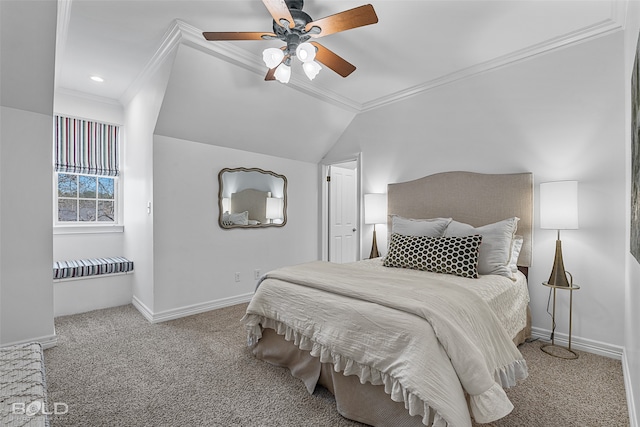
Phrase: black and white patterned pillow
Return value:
(450, 255)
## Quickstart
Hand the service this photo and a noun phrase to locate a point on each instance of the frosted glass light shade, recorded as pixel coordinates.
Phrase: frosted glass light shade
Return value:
(311, 69)
(283, 73)
(272, 57)
(559, 205)
(306, 52)
(375, 208)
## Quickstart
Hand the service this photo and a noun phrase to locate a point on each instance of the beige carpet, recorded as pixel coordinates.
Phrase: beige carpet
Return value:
(113, 368)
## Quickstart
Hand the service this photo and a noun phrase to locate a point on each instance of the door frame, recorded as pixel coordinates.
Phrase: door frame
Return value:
(324, 204)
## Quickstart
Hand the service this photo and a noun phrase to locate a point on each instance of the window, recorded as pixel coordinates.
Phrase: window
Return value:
(86, 198)
(86, 178)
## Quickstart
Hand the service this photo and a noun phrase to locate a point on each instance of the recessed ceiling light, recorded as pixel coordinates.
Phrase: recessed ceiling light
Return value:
(97, 79)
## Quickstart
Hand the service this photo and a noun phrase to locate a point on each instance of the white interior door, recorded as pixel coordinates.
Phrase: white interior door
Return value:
(342, 214)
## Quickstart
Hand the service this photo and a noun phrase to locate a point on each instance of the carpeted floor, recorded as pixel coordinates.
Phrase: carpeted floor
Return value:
(113, 368)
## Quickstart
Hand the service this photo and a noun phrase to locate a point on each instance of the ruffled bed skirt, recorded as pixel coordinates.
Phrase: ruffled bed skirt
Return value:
(362, 393)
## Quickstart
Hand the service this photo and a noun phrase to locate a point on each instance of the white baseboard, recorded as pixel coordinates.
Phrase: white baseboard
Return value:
(47, 341)
(189, 310)
(578, 343)
(633, 417)
(142, 308)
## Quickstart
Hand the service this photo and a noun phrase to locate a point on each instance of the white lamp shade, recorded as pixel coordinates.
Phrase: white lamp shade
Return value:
(311, 69)
(559, 205)
(283, 73)
(375, 208)
(306, 52)
(272, 57)
(274, 208)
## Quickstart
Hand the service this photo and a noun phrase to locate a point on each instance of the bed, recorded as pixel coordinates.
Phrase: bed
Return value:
(401, 346)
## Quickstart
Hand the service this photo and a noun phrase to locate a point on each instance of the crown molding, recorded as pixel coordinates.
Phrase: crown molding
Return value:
(599, 29)
(182, 33)
(62, 30)
(88, 96)
(169, 42)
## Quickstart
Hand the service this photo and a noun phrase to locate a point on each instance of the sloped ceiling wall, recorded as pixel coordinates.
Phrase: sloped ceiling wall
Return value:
(209, 102)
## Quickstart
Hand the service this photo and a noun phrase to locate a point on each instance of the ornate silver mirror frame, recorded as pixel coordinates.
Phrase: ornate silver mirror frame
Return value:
(251, 198)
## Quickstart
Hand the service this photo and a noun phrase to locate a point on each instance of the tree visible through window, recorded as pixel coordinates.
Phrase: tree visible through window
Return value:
(86, 198)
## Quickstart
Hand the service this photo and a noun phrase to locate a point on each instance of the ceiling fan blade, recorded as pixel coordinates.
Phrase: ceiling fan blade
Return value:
(352, 18)
(279, 10)
(223, 36)
(333, 61)
(271, 74)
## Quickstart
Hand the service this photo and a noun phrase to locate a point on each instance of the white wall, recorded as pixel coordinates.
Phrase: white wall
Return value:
(559, 115)
(26, 110)
(82, 106)
(195, 260)
(631, 361)
(141, 114)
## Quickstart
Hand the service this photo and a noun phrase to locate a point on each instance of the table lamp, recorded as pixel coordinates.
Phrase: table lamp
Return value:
(375, 212)
(559, 211)
(273, 209)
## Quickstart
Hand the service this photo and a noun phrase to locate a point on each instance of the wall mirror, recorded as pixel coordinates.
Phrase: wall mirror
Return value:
(251, 198)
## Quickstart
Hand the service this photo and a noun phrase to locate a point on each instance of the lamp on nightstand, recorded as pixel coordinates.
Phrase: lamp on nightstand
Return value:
(559, 211)
(375, 212)
(274, 209)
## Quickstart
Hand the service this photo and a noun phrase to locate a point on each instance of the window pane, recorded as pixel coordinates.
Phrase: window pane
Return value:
(105, 188)
(67, 210)
(87, 210)
(87, 186)
(105, 211)
(67, 185)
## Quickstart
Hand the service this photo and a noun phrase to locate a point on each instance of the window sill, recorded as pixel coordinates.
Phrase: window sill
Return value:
(87, 229)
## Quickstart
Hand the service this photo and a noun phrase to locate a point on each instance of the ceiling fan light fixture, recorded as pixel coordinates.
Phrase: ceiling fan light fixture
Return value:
(272, 57)
(311, 69)
(283, 73)
(306, 52)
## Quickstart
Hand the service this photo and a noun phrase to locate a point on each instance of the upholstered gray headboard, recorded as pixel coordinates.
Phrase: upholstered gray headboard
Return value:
(473, 198)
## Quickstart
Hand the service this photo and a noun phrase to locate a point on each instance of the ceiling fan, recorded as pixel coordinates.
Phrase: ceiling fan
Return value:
(296, 29)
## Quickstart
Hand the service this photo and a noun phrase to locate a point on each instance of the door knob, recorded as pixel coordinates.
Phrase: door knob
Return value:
(354, 230)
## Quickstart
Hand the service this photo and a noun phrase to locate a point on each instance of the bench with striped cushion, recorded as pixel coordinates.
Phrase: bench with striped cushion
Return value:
(91, 267)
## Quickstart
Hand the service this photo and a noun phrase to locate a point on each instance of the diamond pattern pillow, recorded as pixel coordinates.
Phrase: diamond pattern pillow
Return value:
(449, 255)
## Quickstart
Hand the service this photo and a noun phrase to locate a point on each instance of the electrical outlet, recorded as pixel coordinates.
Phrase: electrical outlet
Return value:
(256, 273)
(237, 276)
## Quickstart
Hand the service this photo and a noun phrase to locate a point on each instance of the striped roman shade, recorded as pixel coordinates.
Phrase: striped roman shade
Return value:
(86, 147)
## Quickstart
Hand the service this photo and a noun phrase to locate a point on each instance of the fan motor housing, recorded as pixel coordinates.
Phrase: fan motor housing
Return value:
(294, 4)
(300, 19)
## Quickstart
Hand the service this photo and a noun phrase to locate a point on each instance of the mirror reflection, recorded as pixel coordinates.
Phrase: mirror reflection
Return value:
(251, 197)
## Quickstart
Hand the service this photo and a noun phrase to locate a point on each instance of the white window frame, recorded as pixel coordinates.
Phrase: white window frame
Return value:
(82, 227)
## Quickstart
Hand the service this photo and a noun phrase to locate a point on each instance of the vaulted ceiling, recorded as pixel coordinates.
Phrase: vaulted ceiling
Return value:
(217, 93)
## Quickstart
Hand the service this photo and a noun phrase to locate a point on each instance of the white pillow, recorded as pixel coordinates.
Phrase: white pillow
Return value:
(241, 218)
(516, 246)
(433, 227)
(496, 247)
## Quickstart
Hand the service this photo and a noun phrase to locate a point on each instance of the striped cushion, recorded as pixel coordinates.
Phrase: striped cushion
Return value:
(91, 267)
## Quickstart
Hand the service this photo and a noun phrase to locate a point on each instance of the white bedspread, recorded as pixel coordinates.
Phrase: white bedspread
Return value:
(427, 341)
(507, 298)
